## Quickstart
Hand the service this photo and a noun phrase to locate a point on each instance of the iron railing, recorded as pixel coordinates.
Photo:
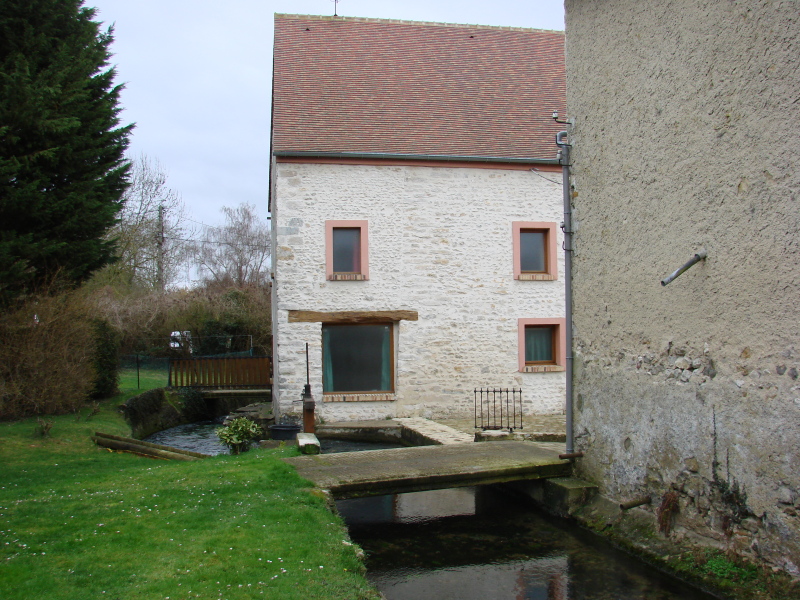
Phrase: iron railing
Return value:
(498, 408)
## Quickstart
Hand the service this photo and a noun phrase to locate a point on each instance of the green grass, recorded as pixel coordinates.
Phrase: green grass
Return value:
(148, 379)
(734, 576)
(80, 522)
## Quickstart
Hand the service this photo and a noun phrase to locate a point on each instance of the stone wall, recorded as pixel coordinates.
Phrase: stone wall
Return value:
(440, 243)
(685, 136)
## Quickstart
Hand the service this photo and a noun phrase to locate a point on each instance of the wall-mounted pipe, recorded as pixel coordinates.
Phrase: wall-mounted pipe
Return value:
(635, 502)
(570, 455)
(701, 255)
(563, 158)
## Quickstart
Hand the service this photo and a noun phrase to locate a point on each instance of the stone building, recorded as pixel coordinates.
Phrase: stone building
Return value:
(415, 198)
(686, 136)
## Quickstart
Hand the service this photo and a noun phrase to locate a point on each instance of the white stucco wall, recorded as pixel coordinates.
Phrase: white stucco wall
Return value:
(686, 136)
(440, 244)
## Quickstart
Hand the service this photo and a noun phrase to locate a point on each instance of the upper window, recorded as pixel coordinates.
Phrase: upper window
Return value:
(357, 358)
(346, 245)
(535, 251)
(542, 345)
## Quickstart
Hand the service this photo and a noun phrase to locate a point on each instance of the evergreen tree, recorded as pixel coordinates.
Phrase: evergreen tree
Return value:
(62, 170)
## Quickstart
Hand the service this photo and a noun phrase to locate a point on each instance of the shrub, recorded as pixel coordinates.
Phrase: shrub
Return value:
(220, 319)
(106, 360)
(46, 356)
(238, 434)
(44, 426)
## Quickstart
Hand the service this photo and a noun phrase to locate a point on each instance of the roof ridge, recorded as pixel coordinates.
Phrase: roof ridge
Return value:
(409, 22)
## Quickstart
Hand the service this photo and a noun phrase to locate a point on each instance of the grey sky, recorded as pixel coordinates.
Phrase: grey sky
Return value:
(198, 75)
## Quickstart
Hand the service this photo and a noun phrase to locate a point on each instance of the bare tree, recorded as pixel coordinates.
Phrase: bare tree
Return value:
(151, 234)
(238, 252)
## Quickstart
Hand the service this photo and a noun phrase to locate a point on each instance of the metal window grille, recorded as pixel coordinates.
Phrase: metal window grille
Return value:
(498, 408)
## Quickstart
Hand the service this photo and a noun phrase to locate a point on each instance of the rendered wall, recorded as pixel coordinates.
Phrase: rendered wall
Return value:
(440, 244)
(687, 135)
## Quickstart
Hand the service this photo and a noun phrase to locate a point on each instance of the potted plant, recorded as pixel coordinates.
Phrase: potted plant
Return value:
(238, 434)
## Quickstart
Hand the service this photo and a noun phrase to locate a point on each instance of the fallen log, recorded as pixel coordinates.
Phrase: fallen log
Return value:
(144, 448)
(150, 445)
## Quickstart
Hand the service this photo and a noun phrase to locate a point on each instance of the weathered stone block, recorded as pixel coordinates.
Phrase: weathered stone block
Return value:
(308, 443)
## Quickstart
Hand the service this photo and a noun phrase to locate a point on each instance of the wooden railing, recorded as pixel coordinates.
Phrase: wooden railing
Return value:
(239, 372)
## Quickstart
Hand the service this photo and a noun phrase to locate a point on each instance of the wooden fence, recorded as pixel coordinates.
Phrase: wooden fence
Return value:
(239, 372)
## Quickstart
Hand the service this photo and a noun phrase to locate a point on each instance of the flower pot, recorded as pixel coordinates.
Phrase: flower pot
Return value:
(284, 432)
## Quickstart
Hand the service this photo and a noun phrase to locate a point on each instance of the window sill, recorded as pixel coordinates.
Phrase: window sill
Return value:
(346, 277)
(543, 369)
(536, 277)
(356, 397)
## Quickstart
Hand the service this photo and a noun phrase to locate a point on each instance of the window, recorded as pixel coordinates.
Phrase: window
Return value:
(346, 244)
(357, 358)
(540, 342)
(542, 345)
(535, 251)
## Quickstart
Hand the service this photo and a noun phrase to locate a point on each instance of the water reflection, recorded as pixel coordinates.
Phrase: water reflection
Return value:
(197, 437)
(332, 446)
(480, 543)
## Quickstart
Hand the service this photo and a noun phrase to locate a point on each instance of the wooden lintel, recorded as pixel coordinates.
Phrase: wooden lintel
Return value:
(351, 316)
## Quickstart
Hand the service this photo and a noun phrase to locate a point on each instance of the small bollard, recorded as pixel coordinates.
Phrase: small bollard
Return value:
(308, 443)
(308, 410)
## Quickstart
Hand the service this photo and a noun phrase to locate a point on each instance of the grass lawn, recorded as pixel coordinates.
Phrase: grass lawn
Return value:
(81, 522)
(148, 379)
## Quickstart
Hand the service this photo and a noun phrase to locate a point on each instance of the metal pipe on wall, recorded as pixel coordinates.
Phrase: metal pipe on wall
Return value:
(563, 156)
(701, 255)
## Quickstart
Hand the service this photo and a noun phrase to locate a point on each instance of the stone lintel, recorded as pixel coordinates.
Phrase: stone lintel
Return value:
(352, 316)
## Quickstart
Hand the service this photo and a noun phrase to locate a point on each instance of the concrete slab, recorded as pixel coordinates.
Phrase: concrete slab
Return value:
(559, 495)
(424, 432)
(377, 472)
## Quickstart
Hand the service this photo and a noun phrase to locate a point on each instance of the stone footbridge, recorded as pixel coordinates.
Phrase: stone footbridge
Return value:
(378, 472)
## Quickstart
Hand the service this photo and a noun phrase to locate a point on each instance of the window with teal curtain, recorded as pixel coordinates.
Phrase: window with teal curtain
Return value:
(357, 358)
(539, 344)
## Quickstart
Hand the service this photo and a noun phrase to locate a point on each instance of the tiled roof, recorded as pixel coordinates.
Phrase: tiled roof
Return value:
(351, 85)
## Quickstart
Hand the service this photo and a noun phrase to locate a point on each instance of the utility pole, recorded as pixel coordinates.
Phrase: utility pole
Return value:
(160, 250)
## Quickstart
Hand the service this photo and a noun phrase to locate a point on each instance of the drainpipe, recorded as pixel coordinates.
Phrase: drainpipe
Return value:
(563, 159)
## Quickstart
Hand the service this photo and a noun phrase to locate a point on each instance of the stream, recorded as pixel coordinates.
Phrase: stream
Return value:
(475, 543)
(480, 543)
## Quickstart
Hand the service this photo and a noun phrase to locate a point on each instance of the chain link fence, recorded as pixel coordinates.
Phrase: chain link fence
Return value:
(143, 372)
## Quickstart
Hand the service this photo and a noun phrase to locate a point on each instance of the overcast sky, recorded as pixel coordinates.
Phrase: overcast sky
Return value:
(197, 78)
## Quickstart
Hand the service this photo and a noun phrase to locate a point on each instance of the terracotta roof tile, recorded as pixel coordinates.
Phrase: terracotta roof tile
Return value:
(343, 84)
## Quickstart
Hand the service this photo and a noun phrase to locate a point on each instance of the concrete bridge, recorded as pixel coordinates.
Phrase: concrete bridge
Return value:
(378, 472)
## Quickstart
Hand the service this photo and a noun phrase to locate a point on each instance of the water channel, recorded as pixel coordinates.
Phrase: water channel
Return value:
(478, 543)
(483, 543)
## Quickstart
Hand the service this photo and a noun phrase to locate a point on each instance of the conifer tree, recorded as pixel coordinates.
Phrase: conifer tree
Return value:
(62, 170)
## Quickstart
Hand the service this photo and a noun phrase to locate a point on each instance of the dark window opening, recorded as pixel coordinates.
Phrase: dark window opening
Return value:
(346, 249)
(533, 251)
(357, 358)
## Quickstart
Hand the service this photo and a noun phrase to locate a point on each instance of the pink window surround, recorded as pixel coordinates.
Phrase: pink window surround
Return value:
(330, 275)
(560, 326)
(551, 266)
